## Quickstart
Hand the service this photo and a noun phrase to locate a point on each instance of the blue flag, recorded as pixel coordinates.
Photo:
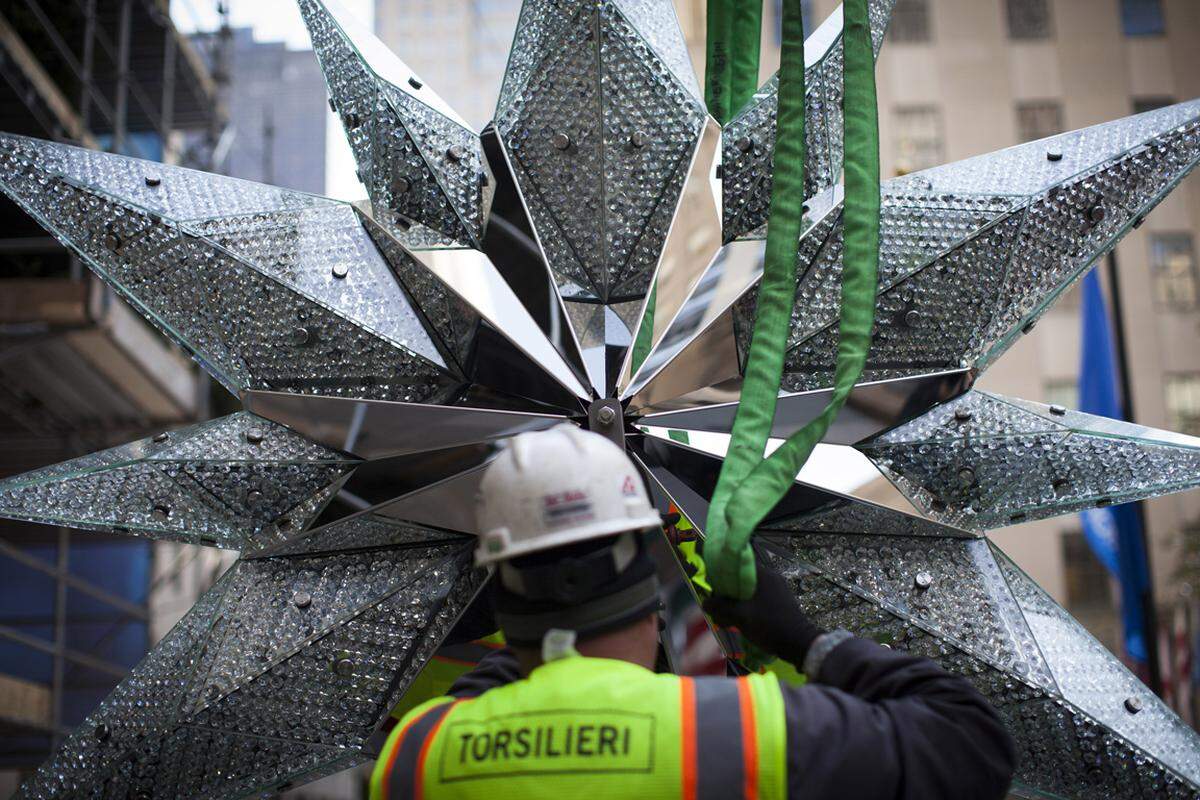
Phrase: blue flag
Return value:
(1114, 533)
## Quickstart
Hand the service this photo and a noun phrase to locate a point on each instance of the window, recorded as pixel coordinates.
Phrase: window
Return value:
(1039, 119)
(1143, 104)
(1173, 267)
(1062, 392)
(918, 139)
(1142, 17)
(1028, 19)
(910, 21)
(1183, 403)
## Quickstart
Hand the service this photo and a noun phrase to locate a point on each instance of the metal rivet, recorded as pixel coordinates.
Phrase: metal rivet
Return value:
(639, 139)
(332, 107)
(162, 512)
(744, 144)
(1137, 223)
(112, 241)
(1029, 326)
(340, 270)
(1054, 155)
(923, 581)
(966, 476)
(1096, 214)
(455, 152)
(962, 414)
(343, 667)
(302, 599)
(561, 141)
(153, 180)
(1060, 486)
(1133, 704)
(300, 335)
(254, 497)
(720, 172)
(1016, 517)
(254, 435)
(102, 732)
(416, 84)
(912, 318)
(606, 415)
(159, 438)
(1058, 410)
(352, 120)
(401, 185)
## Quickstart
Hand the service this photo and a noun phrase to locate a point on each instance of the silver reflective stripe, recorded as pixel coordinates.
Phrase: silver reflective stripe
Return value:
(403, 781)
(719, 761)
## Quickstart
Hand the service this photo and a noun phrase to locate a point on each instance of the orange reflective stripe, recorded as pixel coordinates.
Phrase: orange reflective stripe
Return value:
(397, 743)
(749, 741)
(419, 771)
(687, 730)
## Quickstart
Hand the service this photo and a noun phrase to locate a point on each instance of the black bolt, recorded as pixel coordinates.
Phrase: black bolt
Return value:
(153, 180)
(1133, 704)
(962, 414)
(159, 438)
(254, 435)
(1058, 410)
(639, 139)
(1096, 214)
(416, 84)
(1054, 155)
(456, 152)
(561, 141)
(300, 335)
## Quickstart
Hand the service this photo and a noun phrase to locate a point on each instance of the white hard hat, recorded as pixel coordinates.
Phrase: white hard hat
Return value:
(556, 487)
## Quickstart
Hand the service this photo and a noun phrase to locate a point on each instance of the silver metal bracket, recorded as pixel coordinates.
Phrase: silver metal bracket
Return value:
(607, 417)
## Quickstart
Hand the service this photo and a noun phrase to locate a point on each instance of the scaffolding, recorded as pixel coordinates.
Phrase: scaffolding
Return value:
(114, 75)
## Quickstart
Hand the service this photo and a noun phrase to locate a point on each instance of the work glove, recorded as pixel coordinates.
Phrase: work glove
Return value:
(771, 618)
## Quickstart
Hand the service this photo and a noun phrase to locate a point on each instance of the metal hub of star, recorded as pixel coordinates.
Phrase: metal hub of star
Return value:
(592, 255)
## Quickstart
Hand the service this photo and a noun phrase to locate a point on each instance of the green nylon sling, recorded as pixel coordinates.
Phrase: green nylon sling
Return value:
(750, 485)
(731, 59)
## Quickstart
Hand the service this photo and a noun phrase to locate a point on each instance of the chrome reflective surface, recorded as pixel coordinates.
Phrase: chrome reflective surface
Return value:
(375, 430)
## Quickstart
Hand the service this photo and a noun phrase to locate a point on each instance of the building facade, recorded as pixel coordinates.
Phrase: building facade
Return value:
(958, 79)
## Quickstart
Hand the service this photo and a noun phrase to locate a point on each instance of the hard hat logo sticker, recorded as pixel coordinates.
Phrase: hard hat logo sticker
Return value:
(566, 508)
(628, 488)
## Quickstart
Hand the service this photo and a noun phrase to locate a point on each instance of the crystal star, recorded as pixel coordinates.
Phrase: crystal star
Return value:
(591, 256)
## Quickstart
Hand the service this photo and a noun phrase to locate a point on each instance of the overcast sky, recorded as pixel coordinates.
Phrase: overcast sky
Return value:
(279, 21)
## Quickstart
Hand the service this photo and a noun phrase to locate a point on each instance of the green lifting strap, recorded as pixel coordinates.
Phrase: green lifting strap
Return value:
(731, 60)
(750, 485)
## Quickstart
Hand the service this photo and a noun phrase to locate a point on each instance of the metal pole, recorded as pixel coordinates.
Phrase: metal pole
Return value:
(89, 55)
(120, 124)
(167, 118)
(60, 632)
(1149, 610)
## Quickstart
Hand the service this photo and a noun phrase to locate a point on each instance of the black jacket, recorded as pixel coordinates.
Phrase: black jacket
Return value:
(876, 724)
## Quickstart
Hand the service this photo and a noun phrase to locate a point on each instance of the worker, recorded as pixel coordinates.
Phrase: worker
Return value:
(571, 709)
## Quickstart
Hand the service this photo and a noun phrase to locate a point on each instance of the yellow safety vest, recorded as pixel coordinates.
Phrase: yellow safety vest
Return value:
(593, 729)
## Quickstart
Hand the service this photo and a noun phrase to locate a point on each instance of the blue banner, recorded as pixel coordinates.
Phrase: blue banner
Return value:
(1114, 533)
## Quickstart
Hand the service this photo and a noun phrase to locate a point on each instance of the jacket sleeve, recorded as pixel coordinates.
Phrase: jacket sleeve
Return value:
(495, 669)
(882, 724)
